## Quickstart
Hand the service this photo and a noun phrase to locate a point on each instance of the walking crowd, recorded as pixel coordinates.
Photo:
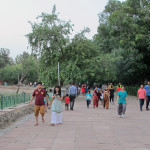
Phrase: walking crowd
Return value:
(52, 99)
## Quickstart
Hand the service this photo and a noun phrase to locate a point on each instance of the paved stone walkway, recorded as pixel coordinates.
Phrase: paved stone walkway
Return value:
(84, 129)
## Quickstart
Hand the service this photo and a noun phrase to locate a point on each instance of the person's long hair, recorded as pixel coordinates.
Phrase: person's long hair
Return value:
(59, 92)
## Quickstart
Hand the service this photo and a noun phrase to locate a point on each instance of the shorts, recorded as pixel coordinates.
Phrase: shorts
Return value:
(38, 109)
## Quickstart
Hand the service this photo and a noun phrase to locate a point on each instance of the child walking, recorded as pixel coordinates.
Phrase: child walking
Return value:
(88, 98)
(67, 99)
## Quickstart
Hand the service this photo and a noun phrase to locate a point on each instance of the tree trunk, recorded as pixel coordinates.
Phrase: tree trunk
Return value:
(23, 77)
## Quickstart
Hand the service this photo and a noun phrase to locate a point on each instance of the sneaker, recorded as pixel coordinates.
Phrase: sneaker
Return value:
(147, 109)
(123, 116)
(119, 116)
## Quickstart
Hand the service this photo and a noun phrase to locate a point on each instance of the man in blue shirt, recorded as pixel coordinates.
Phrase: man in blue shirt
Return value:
(147, 88)
(72, 95)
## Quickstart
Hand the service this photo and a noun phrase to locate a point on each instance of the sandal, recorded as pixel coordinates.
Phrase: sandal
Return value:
(36, 124)
(52, 124)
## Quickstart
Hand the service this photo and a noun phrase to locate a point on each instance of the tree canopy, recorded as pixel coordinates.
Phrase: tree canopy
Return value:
(119, 52)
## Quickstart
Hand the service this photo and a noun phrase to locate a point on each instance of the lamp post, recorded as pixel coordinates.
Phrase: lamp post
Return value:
(58, 75)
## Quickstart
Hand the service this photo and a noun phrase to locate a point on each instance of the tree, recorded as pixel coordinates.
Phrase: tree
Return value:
(9, 73)
(48, 40)
(4, 57)
(29, 64)
(124, 29)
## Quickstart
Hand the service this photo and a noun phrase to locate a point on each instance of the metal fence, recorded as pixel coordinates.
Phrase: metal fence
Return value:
(9, 101)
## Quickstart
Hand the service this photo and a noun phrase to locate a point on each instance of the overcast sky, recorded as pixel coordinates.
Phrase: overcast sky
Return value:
(15, 14)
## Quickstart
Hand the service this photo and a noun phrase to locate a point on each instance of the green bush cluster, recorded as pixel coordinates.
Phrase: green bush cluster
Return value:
(130, 90)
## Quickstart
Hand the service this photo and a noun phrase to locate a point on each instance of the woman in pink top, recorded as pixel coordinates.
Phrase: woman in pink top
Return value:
(141, 95)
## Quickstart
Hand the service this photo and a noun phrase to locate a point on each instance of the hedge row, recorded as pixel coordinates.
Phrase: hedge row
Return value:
(130, 90)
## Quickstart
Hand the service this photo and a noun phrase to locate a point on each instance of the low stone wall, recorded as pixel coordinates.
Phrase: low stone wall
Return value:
(9, 115)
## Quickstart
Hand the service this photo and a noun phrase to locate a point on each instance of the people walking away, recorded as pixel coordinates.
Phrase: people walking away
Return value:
(141, 96)
(57, 106)
(67, 99)
(122, 102)
(39, 95)
(72, 95)
(106, 99)
(88, 98)
(111, 97)
(147, 88)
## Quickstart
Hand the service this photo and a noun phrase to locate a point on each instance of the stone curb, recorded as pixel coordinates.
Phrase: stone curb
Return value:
(10, 115)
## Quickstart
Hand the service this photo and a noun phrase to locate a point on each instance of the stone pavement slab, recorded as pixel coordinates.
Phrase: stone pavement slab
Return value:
(83, 129)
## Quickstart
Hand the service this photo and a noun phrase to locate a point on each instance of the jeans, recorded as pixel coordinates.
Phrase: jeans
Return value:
(72, 100)
(121, 109)
(88, 102)
(141, 103)
(147, 101)
(66, 106)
